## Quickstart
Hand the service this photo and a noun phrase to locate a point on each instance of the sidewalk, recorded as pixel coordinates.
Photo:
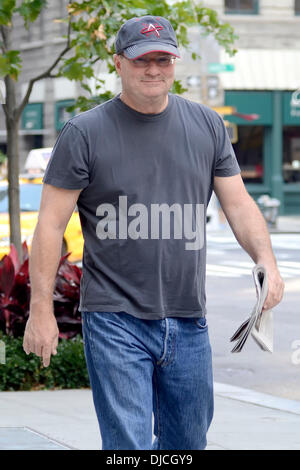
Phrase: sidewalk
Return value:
(65, 419)
(287, 224)
(284, 224)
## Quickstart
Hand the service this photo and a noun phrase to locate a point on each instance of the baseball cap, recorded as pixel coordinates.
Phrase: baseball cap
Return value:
(140, 36)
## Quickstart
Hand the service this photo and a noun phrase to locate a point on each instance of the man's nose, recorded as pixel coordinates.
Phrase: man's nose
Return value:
(152, 67)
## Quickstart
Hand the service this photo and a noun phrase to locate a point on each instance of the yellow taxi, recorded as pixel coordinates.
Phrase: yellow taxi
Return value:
(30, 196)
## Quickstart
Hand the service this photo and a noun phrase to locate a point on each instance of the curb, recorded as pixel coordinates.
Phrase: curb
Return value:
(256, 398)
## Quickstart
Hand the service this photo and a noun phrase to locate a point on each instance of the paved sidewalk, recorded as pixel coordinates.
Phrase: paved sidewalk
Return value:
(287, 224)
(284, 224)
(65, 419)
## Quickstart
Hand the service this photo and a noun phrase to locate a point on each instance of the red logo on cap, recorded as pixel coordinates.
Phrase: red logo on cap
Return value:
(151, 28)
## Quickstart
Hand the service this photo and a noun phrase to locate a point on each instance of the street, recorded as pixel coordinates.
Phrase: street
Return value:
(231, 296)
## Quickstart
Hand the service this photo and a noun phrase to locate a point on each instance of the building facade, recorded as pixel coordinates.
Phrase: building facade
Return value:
(262, 81)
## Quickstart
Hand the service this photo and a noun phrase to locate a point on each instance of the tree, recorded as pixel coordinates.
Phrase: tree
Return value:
(91, 27)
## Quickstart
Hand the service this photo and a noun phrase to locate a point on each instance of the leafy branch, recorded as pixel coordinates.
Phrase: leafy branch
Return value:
(46, 74)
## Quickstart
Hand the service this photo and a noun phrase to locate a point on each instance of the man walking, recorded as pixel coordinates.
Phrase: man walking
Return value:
(141, 168)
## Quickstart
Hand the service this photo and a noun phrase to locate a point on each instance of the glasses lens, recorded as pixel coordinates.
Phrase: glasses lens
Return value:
(140, 62)
(163, 61)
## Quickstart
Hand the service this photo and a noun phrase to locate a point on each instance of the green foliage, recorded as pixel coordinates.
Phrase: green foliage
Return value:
(195, 56)
(10, 64)
(75, 69)
(21, 372)
(4, 68)
(2, 157)
(177, 88)
(30, 10)
(83, 104)
(6, 10)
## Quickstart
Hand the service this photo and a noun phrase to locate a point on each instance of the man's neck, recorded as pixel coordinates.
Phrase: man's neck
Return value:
(150, 106)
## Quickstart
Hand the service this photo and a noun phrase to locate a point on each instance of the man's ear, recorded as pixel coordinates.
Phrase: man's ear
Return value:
(117, 62)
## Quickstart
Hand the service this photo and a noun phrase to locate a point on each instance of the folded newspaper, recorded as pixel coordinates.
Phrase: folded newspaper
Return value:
(260, 323)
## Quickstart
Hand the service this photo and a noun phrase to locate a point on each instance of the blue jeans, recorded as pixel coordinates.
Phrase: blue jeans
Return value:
(138, 366)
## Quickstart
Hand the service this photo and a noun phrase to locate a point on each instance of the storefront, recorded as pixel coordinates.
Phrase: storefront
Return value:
(268, 148)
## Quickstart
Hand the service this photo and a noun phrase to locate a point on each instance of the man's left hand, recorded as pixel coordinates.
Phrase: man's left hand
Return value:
(275, 288)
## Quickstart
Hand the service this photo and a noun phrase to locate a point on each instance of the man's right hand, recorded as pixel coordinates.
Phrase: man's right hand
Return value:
(56, 208)
(41, 335)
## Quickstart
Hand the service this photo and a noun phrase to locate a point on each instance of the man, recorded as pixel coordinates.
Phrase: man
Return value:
(141, 168)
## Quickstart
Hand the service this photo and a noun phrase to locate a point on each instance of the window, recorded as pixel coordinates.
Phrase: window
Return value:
(291, 154)
(241, 7)
(35, 32)
(297, 7)
(41, 25)
(61, 113)
(249, 152)
(63, 14)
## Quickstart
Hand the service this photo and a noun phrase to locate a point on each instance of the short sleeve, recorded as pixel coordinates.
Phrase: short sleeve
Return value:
(226, 161)
(68, 166)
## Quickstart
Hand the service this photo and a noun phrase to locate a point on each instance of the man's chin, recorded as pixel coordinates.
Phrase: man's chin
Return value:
(155, 91)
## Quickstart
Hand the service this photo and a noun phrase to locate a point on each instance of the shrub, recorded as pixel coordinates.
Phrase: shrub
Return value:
(67, 369)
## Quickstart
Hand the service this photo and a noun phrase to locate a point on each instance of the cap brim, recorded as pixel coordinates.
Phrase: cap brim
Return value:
(138, 50)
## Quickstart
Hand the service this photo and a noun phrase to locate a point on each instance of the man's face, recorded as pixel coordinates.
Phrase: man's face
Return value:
(147, 79)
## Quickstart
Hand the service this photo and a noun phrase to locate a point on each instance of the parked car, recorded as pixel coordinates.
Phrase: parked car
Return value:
(37, 160)
(30, 196)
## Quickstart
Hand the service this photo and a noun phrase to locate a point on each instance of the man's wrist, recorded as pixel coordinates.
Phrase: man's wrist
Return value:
(42, 305)
(267, 261)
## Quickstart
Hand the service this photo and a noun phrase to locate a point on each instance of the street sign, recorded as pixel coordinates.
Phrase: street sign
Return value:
(215, 67)
(32, 116)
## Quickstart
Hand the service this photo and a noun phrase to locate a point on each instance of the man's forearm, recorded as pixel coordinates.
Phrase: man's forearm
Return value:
(250, 229)
(43, 263)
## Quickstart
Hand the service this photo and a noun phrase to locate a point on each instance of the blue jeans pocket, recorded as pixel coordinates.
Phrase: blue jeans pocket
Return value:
(201, 323)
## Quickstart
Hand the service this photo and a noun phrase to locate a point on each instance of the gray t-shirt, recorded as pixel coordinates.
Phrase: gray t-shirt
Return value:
(147, 180)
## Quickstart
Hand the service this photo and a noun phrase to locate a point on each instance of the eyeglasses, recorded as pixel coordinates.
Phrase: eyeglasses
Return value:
(143, 62)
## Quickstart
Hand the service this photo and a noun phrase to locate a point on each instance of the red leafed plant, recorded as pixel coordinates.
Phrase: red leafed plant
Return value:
(15, 295)
(66, 298)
